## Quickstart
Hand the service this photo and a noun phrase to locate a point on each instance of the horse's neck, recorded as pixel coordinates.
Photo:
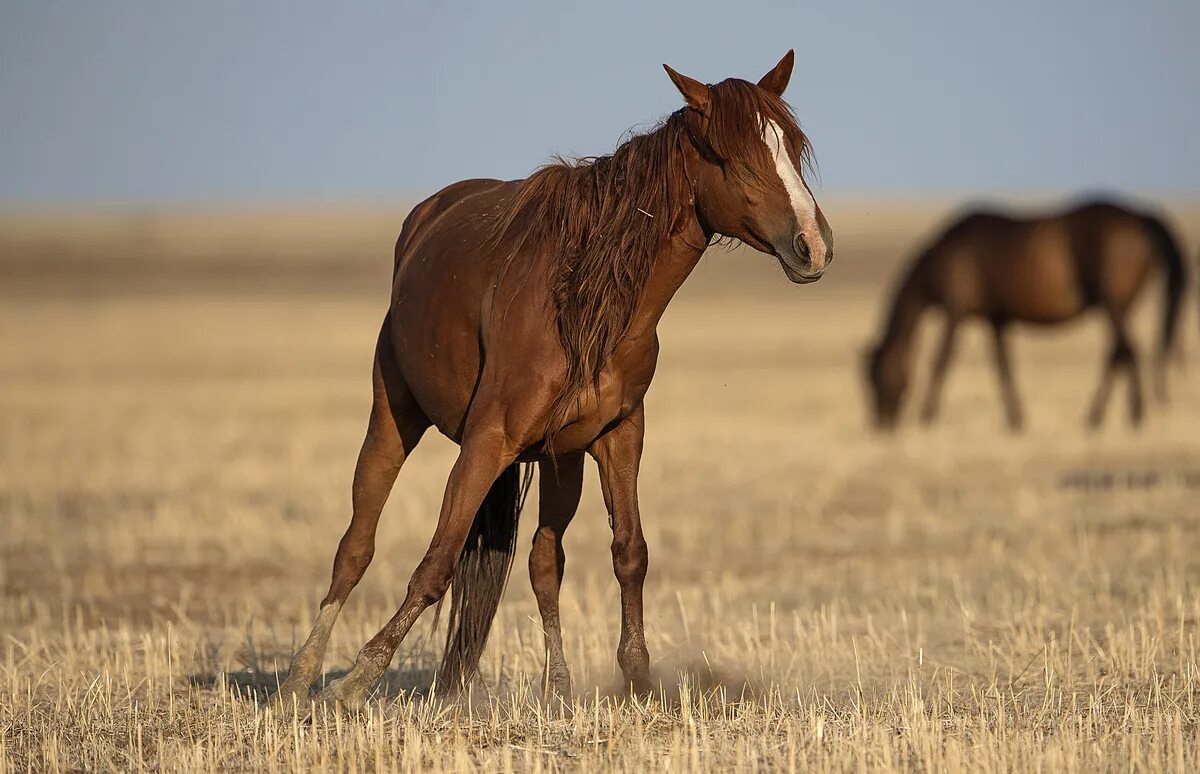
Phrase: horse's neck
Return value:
(910, 302)
(676, 259)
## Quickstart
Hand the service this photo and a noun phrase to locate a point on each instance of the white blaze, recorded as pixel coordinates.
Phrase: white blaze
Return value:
(802, 201)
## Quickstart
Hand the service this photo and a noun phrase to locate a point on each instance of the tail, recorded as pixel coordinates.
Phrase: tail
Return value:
(481, 575)
(1176, 279)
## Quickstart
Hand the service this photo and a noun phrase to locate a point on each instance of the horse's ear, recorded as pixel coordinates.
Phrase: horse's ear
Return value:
(777, 80)
(694, 92)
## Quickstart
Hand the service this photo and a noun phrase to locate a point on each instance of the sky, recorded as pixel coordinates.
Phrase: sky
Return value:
(163, 100)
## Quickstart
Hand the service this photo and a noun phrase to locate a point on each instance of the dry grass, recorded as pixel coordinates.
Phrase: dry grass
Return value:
(174, 475)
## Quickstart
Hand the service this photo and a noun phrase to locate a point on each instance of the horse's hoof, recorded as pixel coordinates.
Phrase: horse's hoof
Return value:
(556, 689)
(342, 695)
(640, 685)
(290, 698)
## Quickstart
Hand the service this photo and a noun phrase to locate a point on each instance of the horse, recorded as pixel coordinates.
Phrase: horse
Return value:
(522, 325)
(1042, 270)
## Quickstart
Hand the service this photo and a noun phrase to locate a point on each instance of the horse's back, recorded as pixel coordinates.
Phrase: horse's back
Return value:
(1044, 269)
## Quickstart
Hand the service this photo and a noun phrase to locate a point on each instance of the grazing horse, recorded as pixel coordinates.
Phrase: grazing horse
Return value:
(522, 325)
(1044, 270)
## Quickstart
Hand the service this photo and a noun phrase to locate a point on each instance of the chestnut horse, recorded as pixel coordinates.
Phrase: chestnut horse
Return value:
(522, 325)
(1041, 270)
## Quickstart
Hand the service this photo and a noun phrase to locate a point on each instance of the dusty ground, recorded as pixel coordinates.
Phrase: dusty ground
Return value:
(176, 445)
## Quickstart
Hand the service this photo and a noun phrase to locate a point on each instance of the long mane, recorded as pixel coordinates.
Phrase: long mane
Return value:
(603, 220)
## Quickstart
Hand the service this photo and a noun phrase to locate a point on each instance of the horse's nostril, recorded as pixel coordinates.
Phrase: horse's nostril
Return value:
(801, 246)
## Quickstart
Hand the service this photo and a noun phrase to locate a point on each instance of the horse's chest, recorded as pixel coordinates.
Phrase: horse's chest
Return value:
(622, 390)
(623, 385)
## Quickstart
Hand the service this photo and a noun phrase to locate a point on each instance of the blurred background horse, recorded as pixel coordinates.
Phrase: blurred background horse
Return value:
(1043, 270)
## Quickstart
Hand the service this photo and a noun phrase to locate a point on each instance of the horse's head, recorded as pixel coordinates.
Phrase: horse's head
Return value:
(887, 380)
(750, 184)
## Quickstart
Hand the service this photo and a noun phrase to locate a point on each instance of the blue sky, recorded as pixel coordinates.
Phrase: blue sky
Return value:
(162, 101)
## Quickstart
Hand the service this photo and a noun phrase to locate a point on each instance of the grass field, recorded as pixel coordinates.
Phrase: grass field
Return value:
(178, 424)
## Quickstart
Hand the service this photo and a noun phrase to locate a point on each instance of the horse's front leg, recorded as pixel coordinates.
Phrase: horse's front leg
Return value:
(618, 454)
(559, 495)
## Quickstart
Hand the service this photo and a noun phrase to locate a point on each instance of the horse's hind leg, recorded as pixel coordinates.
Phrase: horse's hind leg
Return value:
(1121, 355)
(559, 495)
(938, 376)
(485, 453)
(619, 453)
(395, 426)
(1128, 357)
(1008, 389)
(1100, 400)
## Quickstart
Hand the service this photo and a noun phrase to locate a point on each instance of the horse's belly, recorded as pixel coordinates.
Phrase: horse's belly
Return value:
(1051, 300)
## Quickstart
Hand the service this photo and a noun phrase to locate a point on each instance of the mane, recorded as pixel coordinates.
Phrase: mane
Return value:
(602, 221)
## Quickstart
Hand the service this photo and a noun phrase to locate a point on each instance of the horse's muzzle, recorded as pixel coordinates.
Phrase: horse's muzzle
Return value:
(802, 266)
(800, 277)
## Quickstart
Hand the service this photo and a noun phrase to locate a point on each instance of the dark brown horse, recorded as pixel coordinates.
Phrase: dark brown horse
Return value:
(1041, 270)
(522, 325)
